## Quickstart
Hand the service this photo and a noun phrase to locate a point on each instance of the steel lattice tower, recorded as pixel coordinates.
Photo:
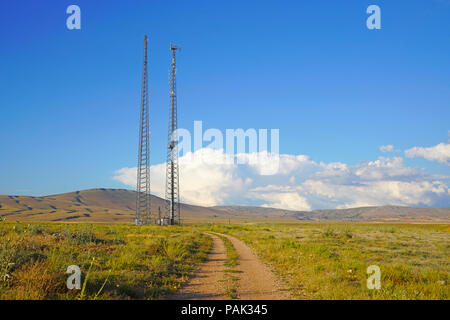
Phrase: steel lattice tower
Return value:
(143, 174)
(172, 177)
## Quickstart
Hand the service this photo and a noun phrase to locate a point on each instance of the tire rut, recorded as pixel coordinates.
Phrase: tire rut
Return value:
(255, 280)
(208, 282)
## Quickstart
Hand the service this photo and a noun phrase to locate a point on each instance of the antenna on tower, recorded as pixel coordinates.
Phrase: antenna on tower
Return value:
(143, 212)
(172, 172)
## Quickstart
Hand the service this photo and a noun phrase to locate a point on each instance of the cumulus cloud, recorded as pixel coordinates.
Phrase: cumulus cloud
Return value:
(387, 148)
(439, 153)
(299, 184)
(207, 178)
(374, 193)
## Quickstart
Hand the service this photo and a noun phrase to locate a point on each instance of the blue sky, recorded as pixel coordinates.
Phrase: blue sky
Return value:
(69, 101)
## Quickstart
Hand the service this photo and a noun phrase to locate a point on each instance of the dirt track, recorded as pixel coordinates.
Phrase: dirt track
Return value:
(208, 281)
(256, 281)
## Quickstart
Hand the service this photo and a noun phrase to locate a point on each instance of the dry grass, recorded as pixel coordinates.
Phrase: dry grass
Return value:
(329, 260)
(317, 260)
(126, 262)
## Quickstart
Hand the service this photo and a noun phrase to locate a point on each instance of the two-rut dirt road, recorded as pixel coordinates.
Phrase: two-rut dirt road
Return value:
(253, 279)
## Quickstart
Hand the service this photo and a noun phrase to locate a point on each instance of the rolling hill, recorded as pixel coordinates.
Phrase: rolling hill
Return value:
(118, 205)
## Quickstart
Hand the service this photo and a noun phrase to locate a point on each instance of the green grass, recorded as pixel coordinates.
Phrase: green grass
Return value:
(317, 260)
(330, 260)
(125, 261)
(232, 257)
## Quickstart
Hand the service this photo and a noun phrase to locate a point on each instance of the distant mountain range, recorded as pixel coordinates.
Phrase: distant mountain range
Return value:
(118, 205)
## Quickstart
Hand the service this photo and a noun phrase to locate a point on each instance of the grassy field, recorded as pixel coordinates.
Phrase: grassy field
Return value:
(317, 260)
(117, 261)
(330, 260)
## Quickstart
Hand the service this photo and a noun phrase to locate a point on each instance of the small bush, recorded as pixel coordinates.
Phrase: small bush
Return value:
(329, 233)
(37, 229)
(35, 282)
(83, 235)
(175, 251)
(348, 234)
(158, 265)
(7, 262)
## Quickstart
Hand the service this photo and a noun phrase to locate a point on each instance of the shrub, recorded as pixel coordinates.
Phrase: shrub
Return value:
(37, 229)
(329, 233)
(7, 262)
(35, 282)
(175, 251)
(83, 235)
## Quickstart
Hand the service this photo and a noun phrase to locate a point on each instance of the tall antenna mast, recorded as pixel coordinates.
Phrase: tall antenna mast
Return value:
(172, 177)
(143, 174)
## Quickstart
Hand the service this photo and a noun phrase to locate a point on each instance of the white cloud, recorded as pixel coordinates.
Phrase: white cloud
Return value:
(387, 148)
(375, 193)
(300, 184)
(284, 200)
(202, 181)
(439, 153)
